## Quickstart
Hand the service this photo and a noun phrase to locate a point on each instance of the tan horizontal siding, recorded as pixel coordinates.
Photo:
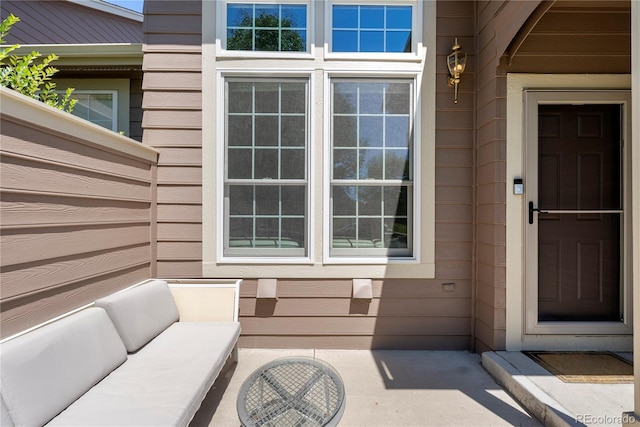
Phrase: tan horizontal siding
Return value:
(179, 250)
(188, 81)
(39, 307)
(173, 137)
(172, 61)
(75, 216)
(561, 64)
(179, 231)
(318, 313)
(331, 307)
(179, 156)
(571, 39)
(356, 325)
(177, 24)
(388, 288)
(28, 209)
(33, 175)
(179, 213)
(172, 119)
(179, 194)
(450, 342)
(23, 246)
(179, 175)
(62, 271)
(178, 43)
(180, 269)
(173, 100)
(27, 139)
(172, 123)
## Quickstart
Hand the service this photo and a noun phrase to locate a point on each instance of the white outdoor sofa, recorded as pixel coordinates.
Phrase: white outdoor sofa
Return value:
(124, 361)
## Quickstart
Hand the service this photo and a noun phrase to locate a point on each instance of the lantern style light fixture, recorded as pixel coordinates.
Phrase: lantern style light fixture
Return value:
(456, 61)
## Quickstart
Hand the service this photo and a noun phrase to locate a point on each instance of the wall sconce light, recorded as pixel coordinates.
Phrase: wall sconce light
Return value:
(456, 61)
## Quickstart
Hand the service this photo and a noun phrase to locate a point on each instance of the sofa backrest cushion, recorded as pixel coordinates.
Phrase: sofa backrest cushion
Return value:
(45, 370)
(141, 313)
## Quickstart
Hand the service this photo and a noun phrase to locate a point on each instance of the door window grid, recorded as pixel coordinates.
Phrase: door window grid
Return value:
(266, 185)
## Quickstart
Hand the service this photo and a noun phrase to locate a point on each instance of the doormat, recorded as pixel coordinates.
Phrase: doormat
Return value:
(585, 367)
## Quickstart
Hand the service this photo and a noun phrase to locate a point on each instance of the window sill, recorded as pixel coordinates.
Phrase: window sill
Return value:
(245, 54)
(372, 56)
(248, 269)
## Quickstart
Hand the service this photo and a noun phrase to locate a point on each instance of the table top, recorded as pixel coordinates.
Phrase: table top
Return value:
(292, 391)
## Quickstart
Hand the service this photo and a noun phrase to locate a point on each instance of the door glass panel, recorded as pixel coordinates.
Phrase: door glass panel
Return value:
(579, 253)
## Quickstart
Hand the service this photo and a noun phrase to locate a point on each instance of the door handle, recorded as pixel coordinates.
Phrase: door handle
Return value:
(532, 210)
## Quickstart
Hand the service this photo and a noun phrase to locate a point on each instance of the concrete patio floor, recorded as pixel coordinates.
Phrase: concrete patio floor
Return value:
(386, 388)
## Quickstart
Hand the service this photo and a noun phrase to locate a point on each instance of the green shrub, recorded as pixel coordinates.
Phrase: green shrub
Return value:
(24, 75)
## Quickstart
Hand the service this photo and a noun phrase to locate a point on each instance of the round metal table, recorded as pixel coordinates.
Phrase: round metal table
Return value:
(292, 391)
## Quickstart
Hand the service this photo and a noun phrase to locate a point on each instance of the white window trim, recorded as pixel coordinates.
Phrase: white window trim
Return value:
(416, 32)
(221, 36)
(417, 173)
(314, 266)
(220, 168)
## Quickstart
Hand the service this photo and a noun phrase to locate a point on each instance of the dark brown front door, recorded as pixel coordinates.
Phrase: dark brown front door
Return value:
(580, 217)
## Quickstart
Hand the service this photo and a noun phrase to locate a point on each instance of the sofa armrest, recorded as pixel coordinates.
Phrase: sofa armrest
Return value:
(206, 300)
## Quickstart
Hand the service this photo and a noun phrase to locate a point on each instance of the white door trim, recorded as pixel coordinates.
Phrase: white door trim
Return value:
(517, 336)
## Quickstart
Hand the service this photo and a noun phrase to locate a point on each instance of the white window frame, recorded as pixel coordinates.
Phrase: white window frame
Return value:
(221, 36)
(373, 254)
(416, 153)
(271, 252)
(221, 144)
(317, 265)
(416, 32)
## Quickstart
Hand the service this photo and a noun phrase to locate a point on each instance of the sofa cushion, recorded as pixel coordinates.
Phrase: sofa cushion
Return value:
(45, 370)
(141, 313)
(163, 384)
(5, 419)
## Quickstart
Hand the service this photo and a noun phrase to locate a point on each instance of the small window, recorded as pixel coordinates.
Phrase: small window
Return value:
(266, 27)
(371, 28)
(266, 168)
(98, 107)
(372, 173)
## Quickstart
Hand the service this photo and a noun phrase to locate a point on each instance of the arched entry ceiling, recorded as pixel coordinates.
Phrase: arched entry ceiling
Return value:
(574, 37)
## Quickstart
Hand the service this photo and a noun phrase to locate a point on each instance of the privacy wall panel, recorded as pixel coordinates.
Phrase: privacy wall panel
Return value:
(75, 212)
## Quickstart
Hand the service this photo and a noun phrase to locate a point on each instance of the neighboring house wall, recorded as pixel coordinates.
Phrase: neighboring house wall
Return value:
(98, 45)
(77, 212)
(40, 24)
(416, 313)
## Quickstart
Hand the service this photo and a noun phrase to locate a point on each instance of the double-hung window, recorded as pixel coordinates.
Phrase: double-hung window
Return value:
(266, 26)
(372, 149)
(265, 191)
(320, 162)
